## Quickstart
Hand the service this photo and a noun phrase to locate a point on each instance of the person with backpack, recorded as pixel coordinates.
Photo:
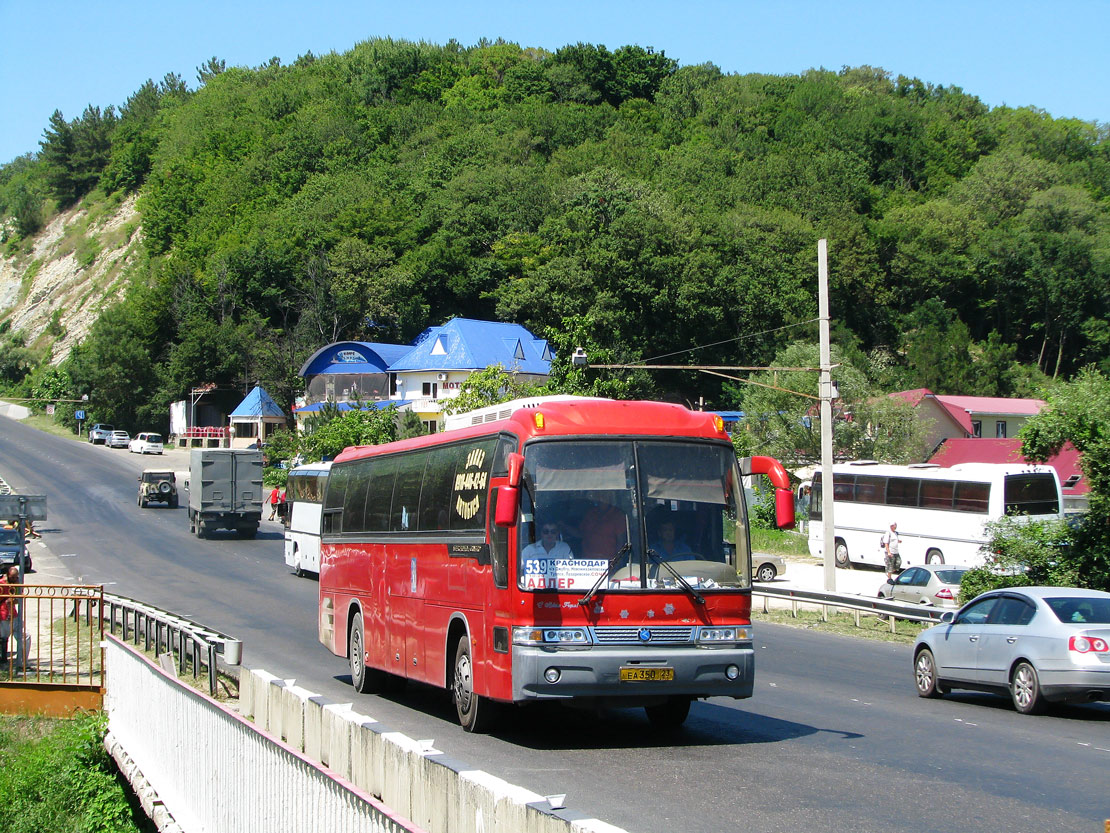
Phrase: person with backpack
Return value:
(891, 560)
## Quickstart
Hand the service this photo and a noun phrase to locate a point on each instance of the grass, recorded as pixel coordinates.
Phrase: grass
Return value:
(842, 623)
(778, 542)
(56, 777)
(42, 422)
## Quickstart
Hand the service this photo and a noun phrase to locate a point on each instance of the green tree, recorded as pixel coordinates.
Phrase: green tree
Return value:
(354, 427)
(1077, 413)
(781, 421)
(490, 386)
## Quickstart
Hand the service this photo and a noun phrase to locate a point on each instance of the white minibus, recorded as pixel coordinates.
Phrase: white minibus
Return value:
(304, 495)
(942, 513)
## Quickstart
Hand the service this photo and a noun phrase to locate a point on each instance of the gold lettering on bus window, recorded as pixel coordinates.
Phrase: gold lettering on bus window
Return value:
(467, 509)
(470, 484)
(475, 458)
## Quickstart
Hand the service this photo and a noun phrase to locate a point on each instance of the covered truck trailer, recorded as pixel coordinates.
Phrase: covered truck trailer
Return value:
(225, 490)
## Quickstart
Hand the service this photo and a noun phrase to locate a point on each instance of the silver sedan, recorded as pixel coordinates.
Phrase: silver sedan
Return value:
(118, 439)
(1039, 644)
(927, 584)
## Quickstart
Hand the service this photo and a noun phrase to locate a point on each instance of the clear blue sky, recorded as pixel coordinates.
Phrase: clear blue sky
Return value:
(58, 54)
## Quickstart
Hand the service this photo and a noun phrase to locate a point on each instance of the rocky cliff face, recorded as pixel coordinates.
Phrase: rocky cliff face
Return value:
(77, 265)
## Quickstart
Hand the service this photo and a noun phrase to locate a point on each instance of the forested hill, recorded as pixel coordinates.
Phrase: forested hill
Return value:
(605, 199)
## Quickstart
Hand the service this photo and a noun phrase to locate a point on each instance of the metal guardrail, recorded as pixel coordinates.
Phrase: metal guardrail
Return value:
(846, 601)
(184, 639)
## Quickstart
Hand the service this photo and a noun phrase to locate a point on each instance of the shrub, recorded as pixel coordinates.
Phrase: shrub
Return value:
(1023, 553)
(55, 775)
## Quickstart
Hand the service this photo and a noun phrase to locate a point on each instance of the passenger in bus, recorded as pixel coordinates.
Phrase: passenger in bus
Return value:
(603, 529)
(549, 545)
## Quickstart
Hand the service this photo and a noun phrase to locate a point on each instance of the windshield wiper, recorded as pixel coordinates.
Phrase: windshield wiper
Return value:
(585, 600)
(654, 556)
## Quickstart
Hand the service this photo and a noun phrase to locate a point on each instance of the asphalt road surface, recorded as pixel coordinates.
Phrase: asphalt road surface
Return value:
(835, 738)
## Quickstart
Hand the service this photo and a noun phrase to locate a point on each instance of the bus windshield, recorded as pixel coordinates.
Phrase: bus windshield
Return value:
(615, 514)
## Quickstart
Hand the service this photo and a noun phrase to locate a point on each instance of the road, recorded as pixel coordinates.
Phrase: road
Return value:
(834, 738)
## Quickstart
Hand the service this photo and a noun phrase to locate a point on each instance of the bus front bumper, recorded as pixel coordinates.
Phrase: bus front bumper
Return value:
(596, 672)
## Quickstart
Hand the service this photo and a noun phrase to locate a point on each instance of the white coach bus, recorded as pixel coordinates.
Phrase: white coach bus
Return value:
(942, 513)
(304, 497)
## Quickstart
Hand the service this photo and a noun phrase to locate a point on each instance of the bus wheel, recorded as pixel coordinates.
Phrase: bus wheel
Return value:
(934, 556)
(841, 556)
(669, 715)
(474, 711)
(361, 676)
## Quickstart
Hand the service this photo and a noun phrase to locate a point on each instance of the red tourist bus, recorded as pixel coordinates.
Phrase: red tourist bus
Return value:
(593, 552)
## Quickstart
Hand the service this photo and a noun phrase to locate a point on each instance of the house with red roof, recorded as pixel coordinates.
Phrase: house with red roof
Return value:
(965, 417)
(993, 416)
(1073, 483)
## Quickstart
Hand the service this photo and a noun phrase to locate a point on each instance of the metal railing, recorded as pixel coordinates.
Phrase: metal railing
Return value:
(53, 635)
(193, 646)
(846, 601)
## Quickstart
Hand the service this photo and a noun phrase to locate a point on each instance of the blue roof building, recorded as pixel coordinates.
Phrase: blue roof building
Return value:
(255, 418)
(420, 375)
(349, 370)
(465, 344)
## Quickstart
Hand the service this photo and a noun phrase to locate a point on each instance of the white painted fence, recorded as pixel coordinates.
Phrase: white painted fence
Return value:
(214, 771)
(304, 764)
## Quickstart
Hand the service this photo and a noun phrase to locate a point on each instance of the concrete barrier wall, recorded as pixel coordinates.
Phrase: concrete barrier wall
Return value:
(200, 766)
(416, 781)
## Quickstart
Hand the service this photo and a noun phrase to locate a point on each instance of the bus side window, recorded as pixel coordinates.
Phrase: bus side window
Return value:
(498, 544)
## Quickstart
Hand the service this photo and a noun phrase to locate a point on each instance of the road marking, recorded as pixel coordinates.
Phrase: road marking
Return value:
(68, 555)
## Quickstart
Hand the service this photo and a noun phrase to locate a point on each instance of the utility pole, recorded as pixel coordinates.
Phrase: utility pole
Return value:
(827, 394)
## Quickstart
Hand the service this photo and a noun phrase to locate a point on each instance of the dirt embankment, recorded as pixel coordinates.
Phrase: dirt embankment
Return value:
(53, 292)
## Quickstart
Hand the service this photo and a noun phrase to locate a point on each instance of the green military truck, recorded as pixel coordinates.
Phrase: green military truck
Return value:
(225, 490)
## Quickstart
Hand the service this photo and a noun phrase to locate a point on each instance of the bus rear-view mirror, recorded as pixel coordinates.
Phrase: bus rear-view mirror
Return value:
(507, 497)
(784, 508)
(516, 466)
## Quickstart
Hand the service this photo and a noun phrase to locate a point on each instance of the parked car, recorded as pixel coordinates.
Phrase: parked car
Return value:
(765, 566)
(145, 443)
(1039, 644)
(118, 439)
(10, 545)
(159, 485)
(100, 432)
(927, 584)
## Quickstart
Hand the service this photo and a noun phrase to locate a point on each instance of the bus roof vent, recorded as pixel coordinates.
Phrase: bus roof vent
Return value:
(864, 463)
(504, 410)
(924, 465)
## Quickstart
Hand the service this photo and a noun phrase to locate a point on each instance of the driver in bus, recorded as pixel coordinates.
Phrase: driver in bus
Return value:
(549, 545)
(667, 543)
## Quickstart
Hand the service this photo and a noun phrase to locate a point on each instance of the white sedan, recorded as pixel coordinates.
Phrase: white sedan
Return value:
(146, 443)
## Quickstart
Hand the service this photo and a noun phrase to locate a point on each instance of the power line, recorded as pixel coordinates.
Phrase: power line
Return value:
(738, 338)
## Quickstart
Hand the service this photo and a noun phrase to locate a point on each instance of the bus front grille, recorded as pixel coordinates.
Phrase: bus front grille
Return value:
(660, 635)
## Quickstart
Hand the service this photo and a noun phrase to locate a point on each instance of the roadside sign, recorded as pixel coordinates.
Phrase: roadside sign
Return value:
(33, 506)
(50, 409)
(77, 415)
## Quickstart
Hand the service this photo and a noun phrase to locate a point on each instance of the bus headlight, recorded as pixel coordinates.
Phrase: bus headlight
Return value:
(550, 636)
(723, 634)
(552, 675)
(732, 672)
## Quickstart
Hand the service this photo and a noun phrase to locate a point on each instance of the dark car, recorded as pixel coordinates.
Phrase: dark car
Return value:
(10, 544)
(1037, 644)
